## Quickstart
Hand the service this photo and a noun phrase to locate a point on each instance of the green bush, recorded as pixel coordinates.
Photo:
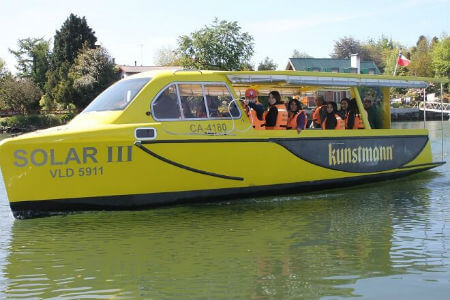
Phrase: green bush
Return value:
(30, 122)
(67, 117)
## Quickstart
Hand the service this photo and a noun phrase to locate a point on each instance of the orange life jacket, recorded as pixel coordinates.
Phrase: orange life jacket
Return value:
(359, 124)
(357, 121)
(316, 114)
(292, 121)
(282, 117)
(340, 124)
(257, 123)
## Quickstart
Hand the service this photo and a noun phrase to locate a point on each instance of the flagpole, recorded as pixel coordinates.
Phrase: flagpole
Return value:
(396, 64)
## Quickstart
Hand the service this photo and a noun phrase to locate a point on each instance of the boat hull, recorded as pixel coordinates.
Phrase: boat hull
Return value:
(110, 169)
(40, 208)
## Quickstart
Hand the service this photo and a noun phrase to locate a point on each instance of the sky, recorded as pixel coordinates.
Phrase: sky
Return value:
(135, 30)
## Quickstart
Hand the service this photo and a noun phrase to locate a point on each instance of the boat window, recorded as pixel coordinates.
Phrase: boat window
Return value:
(118, 95)
(192, 101)
(166, 105)
(218, 99)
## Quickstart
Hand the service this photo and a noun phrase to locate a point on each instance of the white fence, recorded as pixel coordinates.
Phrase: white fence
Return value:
(435, 107)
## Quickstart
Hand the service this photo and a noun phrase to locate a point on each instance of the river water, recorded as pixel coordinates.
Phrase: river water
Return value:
(388, 240)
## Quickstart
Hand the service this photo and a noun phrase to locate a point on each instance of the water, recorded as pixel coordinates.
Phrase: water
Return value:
(387, 240)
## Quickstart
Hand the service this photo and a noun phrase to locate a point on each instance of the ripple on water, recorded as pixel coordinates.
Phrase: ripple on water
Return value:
(375, 240)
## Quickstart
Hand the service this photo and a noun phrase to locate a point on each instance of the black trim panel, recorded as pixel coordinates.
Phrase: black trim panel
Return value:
(32, 209)
(330, 153)
(210, 140)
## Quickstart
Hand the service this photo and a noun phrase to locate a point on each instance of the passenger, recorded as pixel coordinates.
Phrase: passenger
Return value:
(357, 120)
(166, 106)
(332, 119)
(297, 118)
(319, 112)
(372, 115)
(254, 109)
(344, 107)
(277, 116)
(200, 111)
(347, 113)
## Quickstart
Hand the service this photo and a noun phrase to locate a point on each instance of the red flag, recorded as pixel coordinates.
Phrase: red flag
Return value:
(402, 61)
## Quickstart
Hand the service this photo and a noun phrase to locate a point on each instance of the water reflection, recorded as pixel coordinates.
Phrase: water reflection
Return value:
(376, 241)
(259, 248)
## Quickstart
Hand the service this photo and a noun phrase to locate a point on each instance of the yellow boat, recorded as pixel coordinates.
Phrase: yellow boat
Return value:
(182, 136)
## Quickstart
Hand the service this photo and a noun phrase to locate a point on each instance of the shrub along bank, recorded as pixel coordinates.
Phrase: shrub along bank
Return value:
(26, 123)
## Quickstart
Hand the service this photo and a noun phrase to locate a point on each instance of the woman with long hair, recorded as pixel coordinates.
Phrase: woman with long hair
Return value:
(297, 118)
(276, 117)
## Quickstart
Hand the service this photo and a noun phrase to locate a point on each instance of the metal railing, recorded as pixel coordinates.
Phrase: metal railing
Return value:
(435, 107)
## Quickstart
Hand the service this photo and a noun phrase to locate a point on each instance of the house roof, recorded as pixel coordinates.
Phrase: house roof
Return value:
(327, 64)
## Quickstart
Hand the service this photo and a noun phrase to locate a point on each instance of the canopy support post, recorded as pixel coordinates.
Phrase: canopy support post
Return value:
(442, 123)
(424, 108)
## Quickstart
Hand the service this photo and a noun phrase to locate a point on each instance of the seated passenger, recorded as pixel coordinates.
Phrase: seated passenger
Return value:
(276, 115)
(347, 112)
(214, 108)
(372, 114)
(166, 105)
(354, 120)
(254, 109)
(200, 110)
(344, 107)
(297, 118)
(187, 113)
(332, 119)
(318, 112)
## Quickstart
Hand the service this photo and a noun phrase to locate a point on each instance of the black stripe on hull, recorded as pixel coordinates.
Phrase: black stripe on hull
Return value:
(173, 163)
(41, 208)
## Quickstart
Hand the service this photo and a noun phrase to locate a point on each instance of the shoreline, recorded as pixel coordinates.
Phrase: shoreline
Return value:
(414, 114)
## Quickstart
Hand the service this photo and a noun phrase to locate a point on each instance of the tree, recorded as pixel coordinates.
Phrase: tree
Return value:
(347, 46)
(69, 40)
(220, 46)
(92, 72)
(33, 58)
(267, 64)
(300, 54)
(379, 51)
(247, 67)
(3, 71)
(421, 59)
(440, 58)
(19, 94)
(73, 35)
(166, 56)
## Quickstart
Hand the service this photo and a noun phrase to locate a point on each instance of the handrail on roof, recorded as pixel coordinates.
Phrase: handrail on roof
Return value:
(187, 70)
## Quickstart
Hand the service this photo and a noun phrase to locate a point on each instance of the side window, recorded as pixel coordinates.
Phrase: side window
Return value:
(218, 99)
(166, 105)
(192, 101)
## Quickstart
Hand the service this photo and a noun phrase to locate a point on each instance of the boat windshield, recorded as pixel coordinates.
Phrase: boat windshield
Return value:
(118, 95)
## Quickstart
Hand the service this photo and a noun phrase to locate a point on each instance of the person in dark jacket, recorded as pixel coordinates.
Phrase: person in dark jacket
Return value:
(352, 110)
(296, 116)
(345, 102)
(272, 113)
(330, 121)
(251, 101)
(372, 114)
